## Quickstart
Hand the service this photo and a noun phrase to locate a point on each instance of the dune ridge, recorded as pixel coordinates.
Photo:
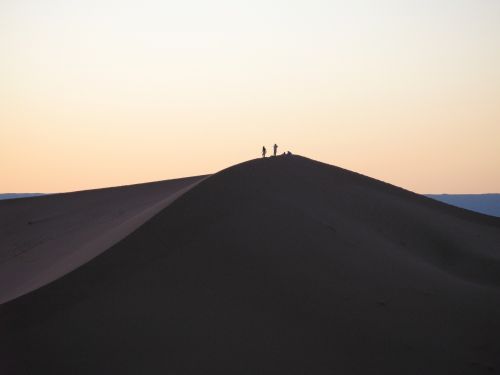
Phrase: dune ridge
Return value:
(282, 265)
(44, 238)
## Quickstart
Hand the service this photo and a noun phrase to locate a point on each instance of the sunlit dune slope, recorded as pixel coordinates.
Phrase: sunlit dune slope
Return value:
(46, 237)
(275, 266)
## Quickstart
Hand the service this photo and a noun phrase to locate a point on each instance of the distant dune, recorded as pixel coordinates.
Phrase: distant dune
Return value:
(488, 204)
(275, 266)
(18, 195)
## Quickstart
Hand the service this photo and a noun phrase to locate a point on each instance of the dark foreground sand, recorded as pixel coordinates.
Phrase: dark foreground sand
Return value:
(276, 266)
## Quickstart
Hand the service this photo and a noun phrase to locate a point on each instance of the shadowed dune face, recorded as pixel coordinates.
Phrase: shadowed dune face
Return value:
(282, 265)
(44, 238)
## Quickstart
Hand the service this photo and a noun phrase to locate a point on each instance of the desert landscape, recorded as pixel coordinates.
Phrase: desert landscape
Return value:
(282, 265)
(234, 187)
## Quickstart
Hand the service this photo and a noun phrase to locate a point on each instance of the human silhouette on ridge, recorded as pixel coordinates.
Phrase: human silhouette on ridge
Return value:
(275, 147)
(264, 151)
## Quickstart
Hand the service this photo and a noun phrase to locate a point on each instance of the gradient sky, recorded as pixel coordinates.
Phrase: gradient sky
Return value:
(103, 93)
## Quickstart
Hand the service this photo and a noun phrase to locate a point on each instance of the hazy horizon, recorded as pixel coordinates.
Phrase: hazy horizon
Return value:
(26, 194)
(107, 93)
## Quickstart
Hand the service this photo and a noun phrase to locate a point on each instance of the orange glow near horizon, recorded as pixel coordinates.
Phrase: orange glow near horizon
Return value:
(106, 93)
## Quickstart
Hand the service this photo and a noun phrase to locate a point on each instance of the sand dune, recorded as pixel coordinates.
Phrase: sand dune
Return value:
(276, 266)
(44, 238)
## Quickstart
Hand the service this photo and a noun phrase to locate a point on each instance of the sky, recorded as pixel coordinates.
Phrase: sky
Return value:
(105, 93)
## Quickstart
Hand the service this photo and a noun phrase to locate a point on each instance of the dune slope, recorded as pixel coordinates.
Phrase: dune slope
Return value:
(276, 266)
(46, 237)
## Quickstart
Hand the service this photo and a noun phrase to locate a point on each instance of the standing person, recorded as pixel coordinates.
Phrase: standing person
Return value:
(264, 151)
(275, 149)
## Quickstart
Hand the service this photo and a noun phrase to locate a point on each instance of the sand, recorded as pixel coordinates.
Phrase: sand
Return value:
(44, 238)
(276, 266)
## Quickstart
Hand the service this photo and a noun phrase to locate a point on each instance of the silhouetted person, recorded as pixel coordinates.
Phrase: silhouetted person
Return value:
(275, 147)
(264, 151)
